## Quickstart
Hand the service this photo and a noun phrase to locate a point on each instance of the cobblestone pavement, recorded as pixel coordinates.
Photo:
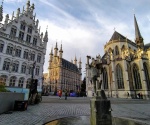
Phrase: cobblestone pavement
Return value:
(53, 108)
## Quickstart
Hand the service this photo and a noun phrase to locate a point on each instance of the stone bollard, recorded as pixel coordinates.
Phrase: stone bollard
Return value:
(100, 110)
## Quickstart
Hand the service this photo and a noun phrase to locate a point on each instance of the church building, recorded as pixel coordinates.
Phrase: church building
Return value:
(126, 67)
(21, 46)
(62, 73)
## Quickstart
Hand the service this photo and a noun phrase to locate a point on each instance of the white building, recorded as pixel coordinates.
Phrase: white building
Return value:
(21, 44)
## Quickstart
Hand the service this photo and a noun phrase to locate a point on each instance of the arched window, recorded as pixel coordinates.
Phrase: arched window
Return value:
(23, 68)
(39, 58)
(37, 70)
(21, 81)
(12, 81)
(32, 56)
(26, 54)
(6, 64)
(137, 78)
(146, 75)
(130, 77)
(3, 80)
(18, 52)
(119, 74)
(105, 79)
(1, 46)
(9, 50)
(28, 83)
(13, 31)
(116, 50)
(15, 66)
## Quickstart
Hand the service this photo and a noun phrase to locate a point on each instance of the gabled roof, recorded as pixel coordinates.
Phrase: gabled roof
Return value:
(147, 46)
(68, 65)
(117, 36)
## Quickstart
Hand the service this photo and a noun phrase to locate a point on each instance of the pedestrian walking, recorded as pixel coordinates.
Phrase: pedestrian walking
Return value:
(66, 94)
(59, 94)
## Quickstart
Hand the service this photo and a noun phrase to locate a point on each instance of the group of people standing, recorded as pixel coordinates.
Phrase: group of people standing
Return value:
(60, 94)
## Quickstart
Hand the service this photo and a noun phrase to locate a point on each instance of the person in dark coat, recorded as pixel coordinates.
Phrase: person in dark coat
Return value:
(66, 94)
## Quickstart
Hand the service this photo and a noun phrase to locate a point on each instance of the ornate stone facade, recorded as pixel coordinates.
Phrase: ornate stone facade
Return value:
(62, 73)
(21, 44)
(126, 67)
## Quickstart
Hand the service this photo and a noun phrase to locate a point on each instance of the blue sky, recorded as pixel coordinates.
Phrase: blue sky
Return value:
(84, 26)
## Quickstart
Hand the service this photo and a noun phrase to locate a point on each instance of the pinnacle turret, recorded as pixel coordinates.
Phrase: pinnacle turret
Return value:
(45, 39)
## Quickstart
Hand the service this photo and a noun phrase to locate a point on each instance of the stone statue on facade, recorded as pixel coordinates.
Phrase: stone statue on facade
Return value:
(100, 105)
(96, 70)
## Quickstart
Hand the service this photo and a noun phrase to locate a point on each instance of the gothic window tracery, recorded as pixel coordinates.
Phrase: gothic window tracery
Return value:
(116, 50)
(105, 79)
(137, 78)
(119, 76)
(146, 75)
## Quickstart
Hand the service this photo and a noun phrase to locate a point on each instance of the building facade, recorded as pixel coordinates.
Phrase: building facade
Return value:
(126, 67)
(22, 48)
(62, 73)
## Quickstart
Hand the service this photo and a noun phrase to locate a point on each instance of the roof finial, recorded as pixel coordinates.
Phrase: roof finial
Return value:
(1, 11)
(114, 29)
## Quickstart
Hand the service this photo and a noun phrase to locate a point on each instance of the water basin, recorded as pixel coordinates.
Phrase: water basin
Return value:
(85, 120)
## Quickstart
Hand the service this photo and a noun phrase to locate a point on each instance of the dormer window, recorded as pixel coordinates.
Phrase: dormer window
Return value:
(23, 27)
(34, 41)
(30, 29)
(13, 32)
(28, 38)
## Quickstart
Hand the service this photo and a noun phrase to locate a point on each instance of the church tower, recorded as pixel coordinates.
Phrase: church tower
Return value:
(138, 37)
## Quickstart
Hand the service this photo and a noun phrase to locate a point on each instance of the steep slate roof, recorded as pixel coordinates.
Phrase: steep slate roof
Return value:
(69, 65)
(117, 36)
(147, 46)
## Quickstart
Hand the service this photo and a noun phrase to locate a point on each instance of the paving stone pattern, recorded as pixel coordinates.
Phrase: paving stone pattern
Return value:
(52, 108)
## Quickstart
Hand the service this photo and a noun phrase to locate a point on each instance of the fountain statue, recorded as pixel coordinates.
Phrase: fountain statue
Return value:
(100, 105)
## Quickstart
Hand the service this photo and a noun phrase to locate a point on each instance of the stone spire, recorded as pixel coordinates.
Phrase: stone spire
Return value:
(51, 55)
(138, 37)
(12, 16)
(1, 12)
(60, 52)
(75, 60)
(45, 39)
(56, 49)
(80, 63)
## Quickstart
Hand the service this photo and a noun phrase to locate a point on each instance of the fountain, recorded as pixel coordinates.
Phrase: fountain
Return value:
(100, 106)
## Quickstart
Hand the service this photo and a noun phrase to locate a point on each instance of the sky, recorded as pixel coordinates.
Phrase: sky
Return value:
(84, 26)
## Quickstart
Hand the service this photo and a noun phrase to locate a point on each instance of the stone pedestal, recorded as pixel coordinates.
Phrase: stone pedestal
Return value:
(100, 111)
